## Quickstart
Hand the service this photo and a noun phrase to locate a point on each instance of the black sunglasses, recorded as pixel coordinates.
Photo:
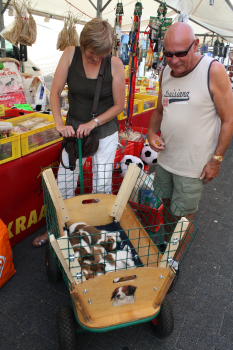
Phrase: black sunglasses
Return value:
(178, 53)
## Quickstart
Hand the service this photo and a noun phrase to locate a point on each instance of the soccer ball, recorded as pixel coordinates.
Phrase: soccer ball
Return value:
(148, 155)
(127, 160)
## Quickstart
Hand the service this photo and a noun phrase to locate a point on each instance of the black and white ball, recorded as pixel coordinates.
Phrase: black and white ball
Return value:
(127, 160)
(148, 155)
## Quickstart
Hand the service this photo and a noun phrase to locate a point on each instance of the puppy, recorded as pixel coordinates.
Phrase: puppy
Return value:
(110, 241)
(123, 295)
(119, 260)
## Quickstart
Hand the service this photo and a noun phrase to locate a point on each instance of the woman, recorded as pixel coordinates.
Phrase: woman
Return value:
(79, 67)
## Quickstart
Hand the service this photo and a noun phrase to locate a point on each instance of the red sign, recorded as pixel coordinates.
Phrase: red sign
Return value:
(21, 205)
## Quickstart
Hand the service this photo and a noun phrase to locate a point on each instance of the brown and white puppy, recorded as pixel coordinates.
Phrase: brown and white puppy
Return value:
(121, 259)
(123, 295)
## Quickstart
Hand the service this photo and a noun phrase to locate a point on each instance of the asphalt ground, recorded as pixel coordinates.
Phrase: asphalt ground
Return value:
(202, 299)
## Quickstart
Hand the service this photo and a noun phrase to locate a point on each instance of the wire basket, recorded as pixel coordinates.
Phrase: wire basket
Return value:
(104, 243)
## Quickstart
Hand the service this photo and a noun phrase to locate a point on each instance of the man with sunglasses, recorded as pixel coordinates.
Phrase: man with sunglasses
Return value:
(195, 118)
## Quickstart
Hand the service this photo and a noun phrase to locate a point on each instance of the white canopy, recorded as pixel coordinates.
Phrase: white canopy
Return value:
(217, 18)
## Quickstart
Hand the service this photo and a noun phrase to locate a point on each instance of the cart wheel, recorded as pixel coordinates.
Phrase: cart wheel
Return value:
(51, 263)
(66, 329)
(163, 324)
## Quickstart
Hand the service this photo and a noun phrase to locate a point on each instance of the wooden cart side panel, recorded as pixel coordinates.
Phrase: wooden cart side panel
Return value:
(73, 266)
(176, 237)
(59, 204)
(61, 258)
(151, 285)
(125, 191)
(96, 213)
(146, 249)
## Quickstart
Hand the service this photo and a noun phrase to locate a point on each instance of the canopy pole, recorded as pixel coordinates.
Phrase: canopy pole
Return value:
(2, 40)
(99, 8)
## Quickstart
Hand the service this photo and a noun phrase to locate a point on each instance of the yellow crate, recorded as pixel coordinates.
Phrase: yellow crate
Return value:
(39, 138)
(148, 101)
(9, 149)
(137, 109)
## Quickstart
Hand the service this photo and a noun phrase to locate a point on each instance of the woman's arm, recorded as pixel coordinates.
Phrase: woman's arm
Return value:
(118, 89)
(59, 81)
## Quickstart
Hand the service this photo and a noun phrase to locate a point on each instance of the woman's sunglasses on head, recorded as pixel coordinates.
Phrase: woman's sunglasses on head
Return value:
(178, 53)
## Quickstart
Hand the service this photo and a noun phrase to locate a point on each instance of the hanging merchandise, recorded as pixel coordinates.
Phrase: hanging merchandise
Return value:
(216, 47)
(68, 35)
(221, 49)
(117, 29)
(156, 30)
(134, 53)
(23, 30)
(204, 48)
(225, 51)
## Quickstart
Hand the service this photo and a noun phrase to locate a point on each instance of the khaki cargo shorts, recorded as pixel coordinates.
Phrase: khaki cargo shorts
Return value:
(184, 192)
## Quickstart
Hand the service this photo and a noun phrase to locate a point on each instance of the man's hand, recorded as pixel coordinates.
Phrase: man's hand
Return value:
(85, 129)
(66, 130)
(156, 142)
(210, 171)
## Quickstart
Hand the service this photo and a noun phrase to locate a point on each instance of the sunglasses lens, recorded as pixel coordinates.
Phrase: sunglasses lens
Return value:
(168, 54)
(181, 53)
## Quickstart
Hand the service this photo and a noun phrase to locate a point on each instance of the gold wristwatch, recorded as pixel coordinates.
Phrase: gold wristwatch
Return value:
(218, 158)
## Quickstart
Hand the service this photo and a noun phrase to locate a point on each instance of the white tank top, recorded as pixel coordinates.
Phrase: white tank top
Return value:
(190, 125)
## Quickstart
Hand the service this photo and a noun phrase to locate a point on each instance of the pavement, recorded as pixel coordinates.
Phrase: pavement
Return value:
(202, 299)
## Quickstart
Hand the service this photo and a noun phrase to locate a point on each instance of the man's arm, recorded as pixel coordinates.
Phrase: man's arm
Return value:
(221, 89)
(156, 142)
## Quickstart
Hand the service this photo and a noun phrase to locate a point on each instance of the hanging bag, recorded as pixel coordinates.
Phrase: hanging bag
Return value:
(7, 269)
(90, 143)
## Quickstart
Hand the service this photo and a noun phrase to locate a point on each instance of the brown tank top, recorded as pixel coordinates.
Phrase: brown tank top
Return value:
(81, 95)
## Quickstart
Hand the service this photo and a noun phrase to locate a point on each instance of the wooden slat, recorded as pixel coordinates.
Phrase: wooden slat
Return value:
(61, 258)
(175, 240)
(125, 191)
(59, 204)
(73, 266)
(94, 214)
(152, 285)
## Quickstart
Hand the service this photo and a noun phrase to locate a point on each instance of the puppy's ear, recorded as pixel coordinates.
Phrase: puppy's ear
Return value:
(114, 293)
(131, 290)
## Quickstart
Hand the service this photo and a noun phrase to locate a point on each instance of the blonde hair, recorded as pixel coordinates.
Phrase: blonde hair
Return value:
(97, 35)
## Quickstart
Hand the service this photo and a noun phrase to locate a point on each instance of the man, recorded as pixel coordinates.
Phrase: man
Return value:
(195, 117)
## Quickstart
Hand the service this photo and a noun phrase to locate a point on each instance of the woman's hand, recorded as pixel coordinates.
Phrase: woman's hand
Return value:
(66, 130)
(85, 129)
(156, 142)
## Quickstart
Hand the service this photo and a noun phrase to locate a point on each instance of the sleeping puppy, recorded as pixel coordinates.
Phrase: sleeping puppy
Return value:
(90, 234)
(123, 295)
(119, 260)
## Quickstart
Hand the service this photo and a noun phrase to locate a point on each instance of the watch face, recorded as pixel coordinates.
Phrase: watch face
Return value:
(219, 158)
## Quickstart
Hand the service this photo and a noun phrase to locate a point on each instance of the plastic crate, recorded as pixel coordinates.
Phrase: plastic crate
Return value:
(14, 112)
(36, 139)
(9, 149)
(148, 102)
(137, 109)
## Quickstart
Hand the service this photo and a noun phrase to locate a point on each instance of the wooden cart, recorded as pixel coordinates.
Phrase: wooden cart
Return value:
(92, 301)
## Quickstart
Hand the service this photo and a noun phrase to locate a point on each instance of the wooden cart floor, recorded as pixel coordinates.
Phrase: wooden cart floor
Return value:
(95, 307)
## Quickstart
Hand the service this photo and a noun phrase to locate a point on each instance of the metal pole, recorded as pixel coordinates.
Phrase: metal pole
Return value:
(2, 40)
(99, 8)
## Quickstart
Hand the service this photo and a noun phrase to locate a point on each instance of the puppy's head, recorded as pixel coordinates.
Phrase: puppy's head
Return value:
(121, 292)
